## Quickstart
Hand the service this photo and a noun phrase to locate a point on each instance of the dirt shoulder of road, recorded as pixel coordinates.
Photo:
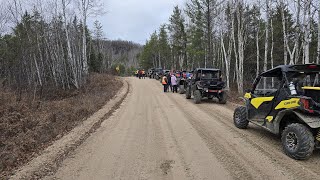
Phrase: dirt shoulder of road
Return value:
(43, 135)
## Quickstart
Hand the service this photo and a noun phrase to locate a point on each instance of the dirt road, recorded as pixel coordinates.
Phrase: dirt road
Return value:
(156, 135)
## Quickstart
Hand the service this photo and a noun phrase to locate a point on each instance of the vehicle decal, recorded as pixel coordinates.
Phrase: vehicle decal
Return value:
(287, 104)
(256, 102)
(311, 88)
(269, 118)
(247, 95)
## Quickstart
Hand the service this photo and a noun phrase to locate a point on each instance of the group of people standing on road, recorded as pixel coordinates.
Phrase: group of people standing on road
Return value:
(169, 81)
(141, 74)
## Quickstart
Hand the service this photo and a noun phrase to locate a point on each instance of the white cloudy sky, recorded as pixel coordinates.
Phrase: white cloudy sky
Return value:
(135, 20)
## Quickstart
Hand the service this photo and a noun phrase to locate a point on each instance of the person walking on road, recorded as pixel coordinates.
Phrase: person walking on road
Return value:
(169, 82)
(164, 81)
(140, 74)
(143, 74)
(174, 83)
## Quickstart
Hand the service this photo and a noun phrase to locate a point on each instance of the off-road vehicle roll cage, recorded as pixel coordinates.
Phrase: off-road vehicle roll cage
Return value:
(157, 73)
(285, 100)
(208, 83)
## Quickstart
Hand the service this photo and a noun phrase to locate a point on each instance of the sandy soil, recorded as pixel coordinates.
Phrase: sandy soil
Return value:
(156, 135)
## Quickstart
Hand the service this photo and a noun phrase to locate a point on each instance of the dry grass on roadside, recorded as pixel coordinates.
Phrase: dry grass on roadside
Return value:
(28, 126)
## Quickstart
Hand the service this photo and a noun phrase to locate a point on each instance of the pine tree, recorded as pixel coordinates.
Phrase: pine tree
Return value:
(178, 38)
(195, 34)
(164, 48)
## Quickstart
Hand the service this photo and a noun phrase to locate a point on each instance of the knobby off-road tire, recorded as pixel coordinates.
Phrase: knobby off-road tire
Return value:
(197, 96)
(223, 98)
(297, 141)
(240, 117)
(181, 89)
(188, 93)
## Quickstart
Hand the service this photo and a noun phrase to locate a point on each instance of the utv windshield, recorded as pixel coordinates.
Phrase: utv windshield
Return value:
(208, 74)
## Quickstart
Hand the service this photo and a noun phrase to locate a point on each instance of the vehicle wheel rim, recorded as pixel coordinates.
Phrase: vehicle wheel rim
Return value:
(291, 140)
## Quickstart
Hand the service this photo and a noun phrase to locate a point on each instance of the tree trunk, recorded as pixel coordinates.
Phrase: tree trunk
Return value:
(70, 56)
(84, 39)
(318, 48)
(265, 64)
(258, 50)
(272, 46)
(227, 63)
(297, 34)
(240, 22)
(306, 31)
(285, 38)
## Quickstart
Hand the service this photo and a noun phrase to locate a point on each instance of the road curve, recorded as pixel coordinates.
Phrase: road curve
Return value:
(156, 135)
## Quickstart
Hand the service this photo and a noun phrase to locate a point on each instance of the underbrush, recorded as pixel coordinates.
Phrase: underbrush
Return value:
(31, 124)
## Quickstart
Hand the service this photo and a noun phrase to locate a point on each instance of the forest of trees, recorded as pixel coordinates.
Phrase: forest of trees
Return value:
(243, 38)
(47, 43)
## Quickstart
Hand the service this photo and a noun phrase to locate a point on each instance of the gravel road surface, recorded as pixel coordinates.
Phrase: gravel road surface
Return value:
(156, 135)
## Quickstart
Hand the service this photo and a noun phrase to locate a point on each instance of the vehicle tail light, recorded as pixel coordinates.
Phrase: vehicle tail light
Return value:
(306, 105)
(312, 66)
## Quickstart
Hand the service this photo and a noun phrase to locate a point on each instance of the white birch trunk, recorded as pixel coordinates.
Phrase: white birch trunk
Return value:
(285, 38)
(297, 34)
(318, 48)
(234, 46)
(258, 50)
(272, 46)
(70, 56)
(85, 6)
(227, 62)
(307, 34)
(266, 48)
(240, 47)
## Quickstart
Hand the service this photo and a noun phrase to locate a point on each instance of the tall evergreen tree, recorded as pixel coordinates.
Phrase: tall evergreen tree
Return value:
(164, 48)
(178, 38)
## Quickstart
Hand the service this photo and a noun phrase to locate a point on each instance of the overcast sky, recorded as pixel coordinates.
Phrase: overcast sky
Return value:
(135, 20)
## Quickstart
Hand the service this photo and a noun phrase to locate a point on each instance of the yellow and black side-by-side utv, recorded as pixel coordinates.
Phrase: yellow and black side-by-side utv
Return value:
(286, 101)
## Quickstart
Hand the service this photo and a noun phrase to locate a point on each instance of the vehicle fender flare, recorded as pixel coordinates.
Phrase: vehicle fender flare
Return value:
(243, 99)
(311, 122)
(198, 87)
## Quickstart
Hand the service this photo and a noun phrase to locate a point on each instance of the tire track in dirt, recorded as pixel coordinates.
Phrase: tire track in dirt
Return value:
(232, 164)
(176, 147)
(167, 113)
(238, 168)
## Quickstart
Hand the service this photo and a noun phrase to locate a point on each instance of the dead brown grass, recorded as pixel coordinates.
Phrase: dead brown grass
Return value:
(28, 126)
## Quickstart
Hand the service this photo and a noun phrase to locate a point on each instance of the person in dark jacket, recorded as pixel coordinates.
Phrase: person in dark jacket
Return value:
(169, 82)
